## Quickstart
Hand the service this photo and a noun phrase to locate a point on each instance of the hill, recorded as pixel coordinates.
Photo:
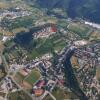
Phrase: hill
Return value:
(86, 9)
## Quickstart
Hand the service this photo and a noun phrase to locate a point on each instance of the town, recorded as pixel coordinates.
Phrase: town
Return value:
(47, 58)
(47, 76)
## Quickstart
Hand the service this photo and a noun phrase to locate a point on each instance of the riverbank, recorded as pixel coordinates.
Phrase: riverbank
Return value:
(95, 25)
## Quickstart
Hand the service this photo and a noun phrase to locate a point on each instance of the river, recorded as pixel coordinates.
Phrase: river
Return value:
(71, 80)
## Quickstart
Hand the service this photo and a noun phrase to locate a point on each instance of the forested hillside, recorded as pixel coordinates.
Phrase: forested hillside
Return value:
(86, 9)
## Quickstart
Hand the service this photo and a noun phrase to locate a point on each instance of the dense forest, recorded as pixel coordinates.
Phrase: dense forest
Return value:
(86, 9)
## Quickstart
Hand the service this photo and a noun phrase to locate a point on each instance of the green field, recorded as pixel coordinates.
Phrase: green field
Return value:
(62, 23)
(43, 46)
(33, 77)
(18, 96)
(2, 74)
(95, 36)
(60, 94)
(79, 29)
(55, 42)
(19, 78)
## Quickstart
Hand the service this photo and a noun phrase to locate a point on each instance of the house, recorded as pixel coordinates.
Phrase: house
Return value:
(45, 32)
(38, 92)
(41, 83)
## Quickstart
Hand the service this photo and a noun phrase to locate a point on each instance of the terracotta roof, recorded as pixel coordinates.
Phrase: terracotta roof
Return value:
(38, 92)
